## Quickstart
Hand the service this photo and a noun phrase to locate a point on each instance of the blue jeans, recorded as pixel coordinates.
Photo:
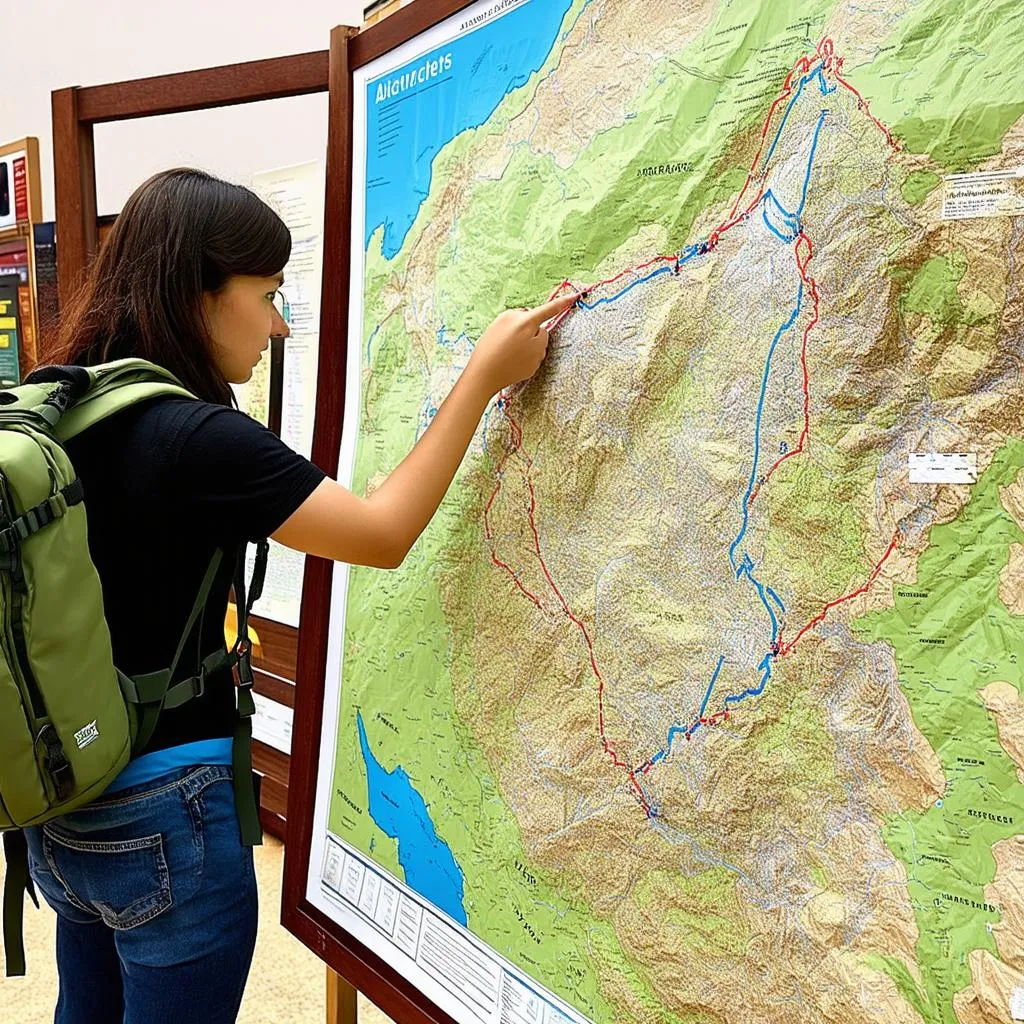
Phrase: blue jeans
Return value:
(156, 903)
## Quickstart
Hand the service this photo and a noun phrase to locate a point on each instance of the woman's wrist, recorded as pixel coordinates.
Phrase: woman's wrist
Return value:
(474, 380)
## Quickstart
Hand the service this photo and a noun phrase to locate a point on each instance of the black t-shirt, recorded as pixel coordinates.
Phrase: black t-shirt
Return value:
(167, 482)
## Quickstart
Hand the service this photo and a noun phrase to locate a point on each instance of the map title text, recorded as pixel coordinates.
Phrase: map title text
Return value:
(410, 79)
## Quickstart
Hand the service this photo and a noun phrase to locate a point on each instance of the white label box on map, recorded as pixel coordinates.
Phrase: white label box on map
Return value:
(943, 468)
(333, 864)
(445, 951)
(387, 907)
(370, 894)
(352, 878)
(410, 917)
(984, 194)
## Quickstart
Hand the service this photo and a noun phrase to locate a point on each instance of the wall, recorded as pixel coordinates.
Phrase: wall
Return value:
(60, 43)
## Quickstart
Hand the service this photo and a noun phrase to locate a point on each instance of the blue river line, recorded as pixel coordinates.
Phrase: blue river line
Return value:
(775, 216)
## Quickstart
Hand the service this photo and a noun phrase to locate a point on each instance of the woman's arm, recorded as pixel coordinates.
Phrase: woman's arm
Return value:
(379, 530)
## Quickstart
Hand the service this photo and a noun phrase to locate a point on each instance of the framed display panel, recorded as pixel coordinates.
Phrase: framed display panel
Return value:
(20, 201)
(694, 718)
(76, 110)
(11, 328)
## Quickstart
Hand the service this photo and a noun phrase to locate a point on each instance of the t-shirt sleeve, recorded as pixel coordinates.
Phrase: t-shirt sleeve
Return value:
(234, 473)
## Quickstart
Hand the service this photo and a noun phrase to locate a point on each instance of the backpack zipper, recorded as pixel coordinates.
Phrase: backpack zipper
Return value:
(29, 703)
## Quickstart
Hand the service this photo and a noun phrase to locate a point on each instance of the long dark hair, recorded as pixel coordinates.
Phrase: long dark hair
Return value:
(182, 233)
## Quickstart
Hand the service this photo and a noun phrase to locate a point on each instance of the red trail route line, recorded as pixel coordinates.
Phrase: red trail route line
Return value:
(803, 250)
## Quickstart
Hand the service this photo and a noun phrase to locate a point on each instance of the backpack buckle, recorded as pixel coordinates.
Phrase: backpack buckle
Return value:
(200, 682)
(185, 690)
(63, 779)
(244, 663)
(56, 762)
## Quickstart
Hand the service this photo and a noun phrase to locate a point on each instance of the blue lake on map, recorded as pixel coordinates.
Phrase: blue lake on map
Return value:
(400, 812)
(413, 111)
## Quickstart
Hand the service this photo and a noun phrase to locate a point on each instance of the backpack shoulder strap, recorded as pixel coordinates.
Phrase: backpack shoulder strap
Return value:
(247, 798)
(83, 396)
(153, 691)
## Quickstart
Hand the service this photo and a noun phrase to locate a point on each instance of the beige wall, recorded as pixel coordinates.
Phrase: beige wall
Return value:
(57, 43)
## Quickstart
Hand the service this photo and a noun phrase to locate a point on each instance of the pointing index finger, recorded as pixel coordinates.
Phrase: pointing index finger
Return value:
(541, 314)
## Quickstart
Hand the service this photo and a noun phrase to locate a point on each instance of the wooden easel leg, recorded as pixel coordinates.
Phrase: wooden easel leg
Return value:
(341, 1000)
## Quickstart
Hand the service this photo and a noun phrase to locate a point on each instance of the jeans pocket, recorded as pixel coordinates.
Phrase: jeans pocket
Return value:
(127, 882)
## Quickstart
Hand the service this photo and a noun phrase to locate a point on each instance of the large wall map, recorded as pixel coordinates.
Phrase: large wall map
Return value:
(700, 699)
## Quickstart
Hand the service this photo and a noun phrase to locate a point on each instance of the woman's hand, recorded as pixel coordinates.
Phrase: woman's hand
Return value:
(380, 530)
(514, 346)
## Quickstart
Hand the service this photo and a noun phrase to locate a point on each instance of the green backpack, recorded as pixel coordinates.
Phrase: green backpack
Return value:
(69, 719)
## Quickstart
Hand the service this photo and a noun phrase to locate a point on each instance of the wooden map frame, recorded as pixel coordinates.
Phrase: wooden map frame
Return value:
(358, 965)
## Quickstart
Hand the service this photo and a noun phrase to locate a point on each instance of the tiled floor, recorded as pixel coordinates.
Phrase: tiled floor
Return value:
(286, 985)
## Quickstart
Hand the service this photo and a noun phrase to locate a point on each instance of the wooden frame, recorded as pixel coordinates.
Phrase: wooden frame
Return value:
(343, 953)
(75, 111)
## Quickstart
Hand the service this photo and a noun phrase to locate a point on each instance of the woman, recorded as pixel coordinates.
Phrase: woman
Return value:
(154, 893)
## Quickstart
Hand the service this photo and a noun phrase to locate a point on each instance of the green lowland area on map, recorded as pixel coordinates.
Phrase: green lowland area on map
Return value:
(949, 644)
(691, 702)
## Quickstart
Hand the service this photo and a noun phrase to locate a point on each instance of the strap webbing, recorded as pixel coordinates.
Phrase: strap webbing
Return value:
(246, 804)
(197, 608)
(181, 693)
(32, 520)
(17, 882)
(246, 799)
(150, 692)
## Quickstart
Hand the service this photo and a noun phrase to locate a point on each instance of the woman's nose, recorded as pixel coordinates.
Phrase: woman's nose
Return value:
(280, 327)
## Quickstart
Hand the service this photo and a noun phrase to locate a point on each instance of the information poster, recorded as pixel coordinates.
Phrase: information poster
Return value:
(699, 701)
(14, 204)
(297, 195)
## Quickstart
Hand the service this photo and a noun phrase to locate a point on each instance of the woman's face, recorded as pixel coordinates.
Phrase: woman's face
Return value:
(242, 319)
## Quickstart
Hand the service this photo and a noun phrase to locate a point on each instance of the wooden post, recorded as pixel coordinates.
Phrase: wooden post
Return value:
(342, 1007)
(74, 173)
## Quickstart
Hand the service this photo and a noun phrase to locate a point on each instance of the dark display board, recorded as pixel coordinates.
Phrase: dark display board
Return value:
(10, 330)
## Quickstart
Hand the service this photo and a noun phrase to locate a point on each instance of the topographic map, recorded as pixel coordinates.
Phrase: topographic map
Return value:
(700, 699)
